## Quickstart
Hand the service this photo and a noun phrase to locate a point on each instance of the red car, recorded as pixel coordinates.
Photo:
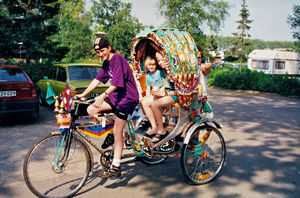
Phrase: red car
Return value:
(17, 92)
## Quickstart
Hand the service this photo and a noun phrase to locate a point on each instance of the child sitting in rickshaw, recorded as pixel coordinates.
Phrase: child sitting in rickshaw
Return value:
(164, 96)
(153, 85)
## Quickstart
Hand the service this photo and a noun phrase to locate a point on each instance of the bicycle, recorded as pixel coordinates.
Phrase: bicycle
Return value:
(58, 165)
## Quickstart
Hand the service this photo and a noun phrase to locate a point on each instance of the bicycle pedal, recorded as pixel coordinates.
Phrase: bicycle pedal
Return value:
(108, 141)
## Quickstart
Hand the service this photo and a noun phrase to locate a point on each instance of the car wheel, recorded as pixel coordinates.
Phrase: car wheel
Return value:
(42, 100)
(36, 114)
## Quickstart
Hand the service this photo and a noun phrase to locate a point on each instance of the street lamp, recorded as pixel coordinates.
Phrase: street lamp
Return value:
(20, 44)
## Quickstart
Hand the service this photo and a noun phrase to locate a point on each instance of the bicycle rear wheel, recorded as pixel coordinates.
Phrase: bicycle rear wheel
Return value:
(203, 157)
(50, 176)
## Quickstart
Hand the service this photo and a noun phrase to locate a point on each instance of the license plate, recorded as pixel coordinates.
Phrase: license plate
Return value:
(8, 93)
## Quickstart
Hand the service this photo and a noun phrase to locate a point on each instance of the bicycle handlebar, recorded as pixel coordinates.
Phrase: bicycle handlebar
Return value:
(83, 100)
(77, 102)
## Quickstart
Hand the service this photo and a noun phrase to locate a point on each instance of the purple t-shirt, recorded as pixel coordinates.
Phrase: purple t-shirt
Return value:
(118, 71)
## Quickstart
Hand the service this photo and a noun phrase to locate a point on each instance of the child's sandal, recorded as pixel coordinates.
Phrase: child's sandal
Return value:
(159, 137)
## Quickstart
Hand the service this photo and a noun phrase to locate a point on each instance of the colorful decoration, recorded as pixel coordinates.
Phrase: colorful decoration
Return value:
(63, 121)
(50, 95)
(96, 130)
(67, 95)
(180, 51)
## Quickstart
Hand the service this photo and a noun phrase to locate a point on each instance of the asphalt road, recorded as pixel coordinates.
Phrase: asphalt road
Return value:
(262, 134)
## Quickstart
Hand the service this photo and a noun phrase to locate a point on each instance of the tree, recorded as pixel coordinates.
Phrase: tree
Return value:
(212, 47)
(114, 17)
(5, 32)
(294, 21)
(194, 15)
(75, 33)
(27, 22)
(240, 43)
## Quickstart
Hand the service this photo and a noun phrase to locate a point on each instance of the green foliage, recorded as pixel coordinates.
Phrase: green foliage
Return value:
(114, 18)
(232, 78)
(75, 32)
(212, 46)
(240, 43)
(224, 43)
(27, 22)
(194, 15)
(36, 71)
(294, 21)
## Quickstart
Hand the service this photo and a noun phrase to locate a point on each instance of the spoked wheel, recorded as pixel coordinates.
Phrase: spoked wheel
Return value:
(50, 176)
(203, 157)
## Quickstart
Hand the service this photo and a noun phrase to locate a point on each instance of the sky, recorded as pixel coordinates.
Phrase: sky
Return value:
(270, 17)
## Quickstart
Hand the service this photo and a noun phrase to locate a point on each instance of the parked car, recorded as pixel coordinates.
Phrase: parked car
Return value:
(77, 75)
(17, 92)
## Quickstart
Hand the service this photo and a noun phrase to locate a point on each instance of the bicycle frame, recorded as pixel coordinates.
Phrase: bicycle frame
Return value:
(135, 142)
(68, 134)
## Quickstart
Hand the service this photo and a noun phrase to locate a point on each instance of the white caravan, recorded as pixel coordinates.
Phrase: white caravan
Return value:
(277, 61)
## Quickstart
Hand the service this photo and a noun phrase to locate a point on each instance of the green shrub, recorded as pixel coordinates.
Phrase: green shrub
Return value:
(35, 71)
(233, 78)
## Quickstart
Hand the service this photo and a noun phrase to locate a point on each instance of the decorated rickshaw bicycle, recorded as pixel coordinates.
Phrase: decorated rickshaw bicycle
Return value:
(59, 164)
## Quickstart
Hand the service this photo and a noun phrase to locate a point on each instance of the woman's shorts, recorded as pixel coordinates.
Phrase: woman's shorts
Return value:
(118, 113)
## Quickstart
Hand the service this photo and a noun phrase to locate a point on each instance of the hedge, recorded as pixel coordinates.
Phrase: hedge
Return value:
(246, 79)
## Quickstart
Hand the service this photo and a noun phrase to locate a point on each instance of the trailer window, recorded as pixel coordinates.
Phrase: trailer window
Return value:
(279, 65)
(260, 64)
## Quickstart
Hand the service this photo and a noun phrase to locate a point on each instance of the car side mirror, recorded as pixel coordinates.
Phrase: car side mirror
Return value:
(45, 77)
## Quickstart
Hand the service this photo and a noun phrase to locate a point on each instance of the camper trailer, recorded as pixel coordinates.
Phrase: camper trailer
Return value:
(277, 61)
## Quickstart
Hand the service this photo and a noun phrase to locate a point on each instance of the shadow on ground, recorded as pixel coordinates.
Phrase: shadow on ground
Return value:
(261, 131)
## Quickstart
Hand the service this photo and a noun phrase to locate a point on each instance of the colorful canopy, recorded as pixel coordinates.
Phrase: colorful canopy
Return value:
(179, 50)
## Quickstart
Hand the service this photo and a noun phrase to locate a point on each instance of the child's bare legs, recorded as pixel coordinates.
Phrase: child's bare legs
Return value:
(146, 103)
(157, 104)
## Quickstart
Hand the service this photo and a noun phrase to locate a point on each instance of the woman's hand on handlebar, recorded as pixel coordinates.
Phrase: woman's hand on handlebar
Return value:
(80, 95)
(99, 100)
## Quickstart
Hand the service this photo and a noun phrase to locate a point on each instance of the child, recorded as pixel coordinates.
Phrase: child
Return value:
(154, 84)
(165, 98)
(153, 77)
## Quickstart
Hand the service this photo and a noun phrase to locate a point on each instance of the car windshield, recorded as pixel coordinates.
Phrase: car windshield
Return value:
(12, 75)
(83, 73)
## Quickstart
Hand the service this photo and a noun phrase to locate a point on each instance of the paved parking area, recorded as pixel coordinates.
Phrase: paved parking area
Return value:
(262, 133)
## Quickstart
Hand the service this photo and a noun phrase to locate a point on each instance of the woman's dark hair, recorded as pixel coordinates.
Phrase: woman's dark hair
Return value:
(102, 42)
(201, 52)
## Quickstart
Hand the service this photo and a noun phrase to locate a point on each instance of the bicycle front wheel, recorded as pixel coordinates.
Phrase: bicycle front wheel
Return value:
(52, 170)
(203, 157)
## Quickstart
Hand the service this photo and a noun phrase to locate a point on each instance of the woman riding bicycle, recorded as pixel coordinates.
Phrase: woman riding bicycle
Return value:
(121, 97)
